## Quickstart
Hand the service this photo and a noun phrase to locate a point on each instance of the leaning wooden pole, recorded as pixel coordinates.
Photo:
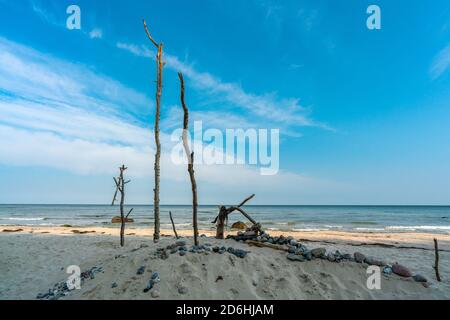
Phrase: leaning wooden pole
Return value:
(436, 260)
(190, 157)
(173, 225)
(159, 77)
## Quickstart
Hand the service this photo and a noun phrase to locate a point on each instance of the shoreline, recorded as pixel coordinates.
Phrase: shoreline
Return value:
(337, 237)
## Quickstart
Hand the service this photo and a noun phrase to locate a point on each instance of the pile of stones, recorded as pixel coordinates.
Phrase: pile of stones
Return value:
(61, 289)
(300, 253)
(180, 247)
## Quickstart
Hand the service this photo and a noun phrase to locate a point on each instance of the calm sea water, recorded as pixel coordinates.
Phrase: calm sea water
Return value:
(434, 219)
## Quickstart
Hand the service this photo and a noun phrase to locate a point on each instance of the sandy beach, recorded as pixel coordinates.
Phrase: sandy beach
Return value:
(34, 259)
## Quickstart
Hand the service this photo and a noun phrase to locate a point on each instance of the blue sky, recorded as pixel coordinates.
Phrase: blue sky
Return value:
(364, 115)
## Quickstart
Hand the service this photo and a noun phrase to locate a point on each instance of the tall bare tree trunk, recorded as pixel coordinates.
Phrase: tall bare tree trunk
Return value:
(159, 76)
(190, 157)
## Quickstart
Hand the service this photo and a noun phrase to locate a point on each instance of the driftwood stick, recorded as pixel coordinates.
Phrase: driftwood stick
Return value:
(244, 213)
(159, 76)
(129, 213)
(267, 245)
(190, 157)
(115, 193)
(173, 225)
(148, 34)
(245, 201)
(436, 260)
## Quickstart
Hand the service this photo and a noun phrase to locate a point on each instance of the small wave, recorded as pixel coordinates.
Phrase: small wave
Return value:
(25, 219)
(418, 228)
(310, 229)
(370, 229)
(364, 222)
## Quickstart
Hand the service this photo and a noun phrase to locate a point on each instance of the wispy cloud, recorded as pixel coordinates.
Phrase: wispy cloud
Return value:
(45, 14)
(268, 106)
(40, 77)
(42, 124)
(96, 33)
(441, 63)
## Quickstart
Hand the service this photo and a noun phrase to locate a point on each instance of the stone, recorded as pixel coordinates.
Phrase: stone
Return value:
(149, 286)
(114, 285)
(400, 270)
(239, 225)
(216, 249)
(174, 250)
(182, 290)
(308, 255)
(171, 246)
(182, 253)
(270, 240)
(387, 270)
(155, 293)
(419, 278)
(292, 249)
(294, 257)
(359, 257)
(141, 270)
(347, 256)
(155, 277)
(181, 243)
(239, 253)
(374, 262)
(318, 252)
(293, 242)
(331, 257)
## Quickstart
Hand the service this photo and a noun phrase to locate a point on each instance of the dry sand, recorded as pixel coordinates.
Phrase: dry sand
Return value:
(34, 259)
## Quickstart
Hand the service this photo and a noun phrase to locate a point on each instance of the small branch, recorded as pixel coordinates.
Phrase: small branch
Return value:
(148, 34)
(245, 201)
(436, 260)
(126, 217)
(243, 212)
(267, 245)
(173, 225)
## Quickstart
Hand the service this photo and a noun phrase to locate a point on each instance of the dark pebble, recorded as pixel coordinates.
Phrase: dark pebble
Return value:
(141, 270)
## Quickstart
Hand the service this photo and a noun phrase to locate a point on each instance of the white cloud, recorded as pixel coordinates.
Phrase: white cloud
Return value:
(41, 77)
(271, 108)
(441, 63)
(74, 123)
(96, 34)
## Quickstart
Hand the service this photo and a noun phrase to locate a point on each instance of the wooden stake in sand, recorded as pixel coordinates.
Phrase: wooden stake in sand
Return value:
(120, 187)
(436, 260)
(173, 225)
(159, 76)
(222, 218)
(190, 157)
